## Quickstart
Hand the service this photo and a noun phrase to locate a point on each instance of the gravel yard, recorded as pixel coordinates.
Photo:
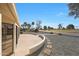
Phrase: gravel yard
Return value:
(64, 45)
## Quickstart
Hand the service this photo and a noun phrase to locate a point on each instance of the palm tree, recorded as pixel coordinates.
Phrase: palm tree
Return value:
(33, 24)
(23, 27)
(49, 27)
(29, 26)
(59, 26)
(25, 24)
(38, 24)
(74, 9)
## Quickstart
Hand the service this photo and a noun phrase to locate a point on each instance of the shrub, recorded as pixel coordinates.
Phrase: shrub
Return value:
(51, 32)
(59, 33)
(36, 30)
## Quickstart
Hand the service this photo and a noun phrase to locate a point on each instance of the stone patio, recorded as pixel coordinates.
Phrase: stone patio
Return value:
(25, 42)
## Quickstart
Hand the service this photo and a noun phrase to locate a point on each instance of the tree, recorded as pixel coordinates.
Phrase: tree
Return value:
(74, 9)
(45, 27)
(63, 28)
(33, 23)
(25, 24)
(28, 26)
(49, 27)
(22, 26)
(70, 26)
(38, 24)
(40, 28)
(60, 26)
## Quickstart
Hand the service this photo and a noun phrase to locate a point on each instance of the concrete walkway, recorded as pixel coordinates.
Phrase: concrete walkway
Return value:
(25, 42)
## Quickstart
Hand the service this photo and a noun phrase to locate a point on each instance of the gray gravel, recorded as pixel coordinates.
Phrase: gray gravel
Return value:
(64, 45)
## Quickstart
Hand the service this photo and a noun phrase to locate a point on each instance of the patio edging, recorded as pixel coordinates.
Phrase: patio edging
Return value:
(37, 46)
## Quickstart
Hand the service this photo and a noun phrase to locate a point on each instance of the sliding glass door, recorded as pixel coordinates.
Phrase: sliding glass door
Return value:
(7, 39)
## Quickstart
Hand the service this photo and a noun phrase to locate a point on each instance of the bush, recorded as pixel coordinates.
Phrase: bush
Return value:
(59, 33)
(36, 30)
(70, 26)
(32, 30)
(51, 32)
(21, 32)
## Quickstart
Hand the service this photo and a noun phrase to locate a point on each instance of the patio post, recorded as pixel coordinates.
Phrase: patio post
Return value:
(14, 40)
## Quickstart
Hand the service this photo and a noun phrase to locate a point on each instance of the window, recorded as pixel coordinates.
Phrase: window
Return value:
(7, 39)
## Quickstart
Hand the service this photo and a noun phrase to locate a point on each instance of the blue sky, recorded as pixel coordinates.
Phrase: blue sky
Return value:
(51, 14)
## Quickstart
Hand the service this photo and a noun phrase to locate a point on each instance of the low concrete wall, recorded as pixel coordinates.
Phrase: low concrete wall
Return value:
(37, 46)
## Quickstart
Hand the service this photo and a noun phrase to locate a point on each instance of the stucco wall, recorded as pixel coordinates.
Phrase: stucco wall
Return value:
(9, 15)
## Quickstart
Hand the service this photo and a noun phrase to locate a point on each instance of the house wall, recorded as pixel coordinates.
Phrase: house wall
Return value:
(7, 39)
(9, 16)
